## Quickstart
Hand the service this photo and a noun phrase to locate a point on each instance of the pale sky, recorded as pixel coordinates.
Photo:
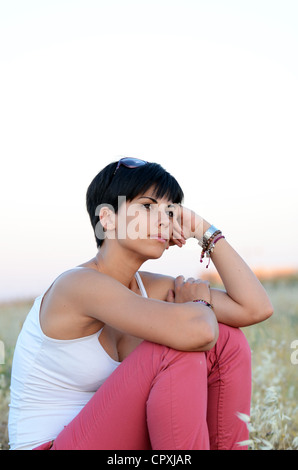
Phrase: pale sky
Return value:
(207, 88)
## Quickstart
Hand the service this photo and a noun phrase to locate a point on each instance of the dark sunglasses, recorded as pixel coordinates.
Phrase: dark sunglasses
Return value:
(130, 163)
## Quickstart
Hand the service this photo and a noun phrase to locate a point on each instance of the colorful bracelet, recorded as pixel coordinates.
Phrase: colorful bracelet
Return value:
(210, 233)
(201, 301)
(210, 238)
(217, 239)
(208, 248)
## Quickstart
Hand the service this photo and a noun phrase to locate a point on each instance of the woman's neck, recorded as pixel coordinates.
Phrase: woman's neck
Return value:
(117, 263)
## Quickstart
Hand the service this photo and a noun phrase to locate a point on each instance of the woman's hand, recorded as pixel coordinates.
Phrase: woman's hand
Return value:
(244, 301)
(189, 290)
(187, 224)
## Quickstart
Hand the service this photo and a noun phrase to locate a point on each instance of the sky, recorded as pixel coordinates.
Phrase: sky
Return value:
(206, 88)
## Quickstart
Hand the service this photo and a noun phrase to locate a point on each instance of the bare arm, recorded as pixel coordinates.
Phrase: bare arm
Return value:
(245, 301)
(187, 327)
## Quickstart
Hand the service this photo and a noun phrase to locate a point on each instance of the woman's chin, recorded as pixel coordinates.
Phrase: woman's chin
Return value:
(154, 251)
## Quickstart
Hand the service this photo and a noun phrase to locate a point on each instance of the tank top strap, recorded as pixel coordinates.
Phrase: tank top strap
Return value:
(141, 285)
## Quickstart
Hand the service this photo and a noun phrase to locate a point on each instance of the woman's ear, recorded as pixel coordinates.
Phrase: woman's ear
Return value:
(107, 218)
(106, 223)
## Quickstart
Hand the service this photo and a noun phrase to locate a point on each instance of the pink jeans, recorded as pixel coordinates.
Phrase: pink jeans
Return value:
(160, 398)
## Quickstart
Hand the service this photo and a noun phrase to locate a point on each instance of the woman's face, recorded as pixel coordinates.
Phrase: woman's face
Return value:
(145, 224)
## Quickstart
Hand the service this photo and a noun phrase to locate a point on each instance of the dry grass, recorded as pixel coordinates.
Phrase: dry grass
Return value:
(12, 316)
(274, 414)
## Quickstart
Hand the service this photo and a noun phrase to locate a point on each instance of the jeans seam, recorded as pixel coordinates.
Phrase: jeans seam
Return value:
(172, 413)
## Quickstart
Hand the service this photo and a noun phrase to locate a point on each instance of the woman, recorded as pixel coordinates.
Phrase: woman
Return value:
(113, 358)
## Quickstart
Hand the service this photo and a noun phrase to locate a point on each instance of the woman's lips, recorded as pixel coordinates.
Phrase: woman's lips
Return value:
(159, 238)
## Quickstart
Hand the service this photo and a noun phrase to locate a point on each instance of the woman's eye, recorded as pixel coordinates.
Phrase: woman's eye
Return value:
(151, 207)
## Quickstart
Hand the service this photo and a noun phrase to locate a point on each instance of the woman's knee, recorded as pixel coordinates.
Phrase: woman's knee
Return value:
(234, 339)
(163, 356)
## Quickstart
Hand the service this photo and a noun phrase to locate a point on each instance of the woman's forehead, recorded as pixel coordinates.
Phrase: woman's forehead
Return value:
(151, 193)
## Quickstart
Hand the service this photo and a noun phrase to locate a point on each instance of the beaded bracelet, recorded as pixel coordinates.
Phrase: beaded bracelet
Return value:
(210, 238)
(201, 301)
(208, 246)
(210, 233)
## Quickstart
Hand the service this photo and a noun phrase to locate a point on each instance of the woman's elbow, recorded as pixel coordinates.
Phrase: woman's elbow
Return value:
(262, 313)
(205, 336)
(211, 337)
(266, 313)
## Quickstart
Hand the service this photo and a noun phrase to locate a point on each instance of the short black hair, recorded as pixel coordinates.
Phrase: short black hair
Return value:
(107, 186)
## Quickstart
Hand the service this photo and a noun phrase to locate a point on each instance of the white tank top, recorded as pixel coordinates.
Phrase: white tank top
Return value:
(52, 380)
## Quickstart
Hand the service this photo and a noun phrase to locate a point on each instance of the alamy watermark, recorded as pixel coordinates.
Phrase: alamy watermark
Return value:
(2, 353)
(133, 223)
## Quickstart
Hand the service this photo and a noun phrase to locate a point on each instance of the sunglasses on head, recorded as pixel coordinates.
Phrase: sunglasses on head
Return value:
(130, 163)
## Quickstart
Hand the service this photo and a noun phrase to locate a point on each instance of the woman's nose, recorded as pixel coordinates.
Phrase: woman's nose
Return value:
(163, 219)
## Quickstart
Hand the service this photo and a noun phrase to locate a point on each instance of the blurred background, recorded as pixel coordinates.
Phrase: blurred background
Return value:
(207, 88)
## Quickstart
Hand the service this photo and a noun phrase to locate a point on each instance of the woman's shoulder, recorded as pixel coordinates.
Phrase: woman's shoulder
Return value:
(76, 274)
(63, 308)
(69, 287)
(71, 283)
(157, 285)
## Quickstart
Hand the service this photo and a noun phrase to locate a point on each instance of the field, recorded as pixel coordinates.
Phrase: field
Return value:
(274, 343)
